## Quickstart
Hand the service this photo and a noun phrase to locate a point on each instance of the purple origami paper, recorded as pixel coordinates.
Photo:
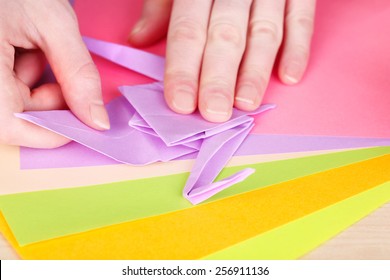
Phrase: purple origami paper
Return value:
(160, 135)
(145, 63)
(206, 191)
(215, 151)
(121, 142)
(154, 117)
(220, 140)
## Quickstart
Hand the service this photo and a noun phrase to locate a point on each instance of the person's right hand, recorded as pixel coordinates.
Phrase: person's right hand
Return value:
(221, 53)
(31, 30)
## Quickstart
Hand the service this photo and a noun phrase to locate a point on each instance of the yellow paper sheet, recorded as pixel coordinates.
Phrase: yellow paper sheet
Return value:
(295, 239)
(203, 230)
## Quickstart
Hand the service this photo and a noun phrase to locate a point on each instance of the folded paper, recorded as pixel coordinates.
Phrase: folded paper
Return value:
(161, 135)
(148, 64)
(172, 128)
(121, 142)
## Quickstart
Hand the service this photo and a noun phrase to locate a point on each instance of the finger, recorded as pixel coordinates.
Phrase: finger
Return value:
(44, 98)
(23, 133)
(186, 40)
(265, 34)
(15, 131)
(29, 66)
(153, 24)
(74, 69)
(299, 24)
(223, 53)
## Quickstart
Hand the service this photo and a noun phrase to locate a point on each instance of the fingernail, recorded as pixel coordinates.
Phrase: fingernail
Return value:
(99, 115)
(138, 27)
(184, 100)
(218, 104)
(247, 94)
(293, 72)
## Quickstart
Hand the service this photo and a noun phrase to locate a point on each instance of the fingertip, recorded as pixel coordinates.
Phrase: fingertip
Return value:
(247, 98)
(291, 73)
(99, 116)
(45, 97)
(216, 108)
(182, 99)
(83, 95)
(153, 24)
(29, 66)
(135, 36)
(30, 135)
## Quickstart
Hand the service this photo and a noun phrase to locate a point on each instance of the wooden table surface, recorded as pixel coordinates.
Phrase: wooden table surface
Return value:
(367, 239)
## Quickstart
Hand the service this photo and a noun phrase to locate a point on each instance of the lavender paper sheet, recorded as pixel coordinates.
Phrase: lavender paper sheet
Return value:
(217, 142)
(77, 155)
(145, 63)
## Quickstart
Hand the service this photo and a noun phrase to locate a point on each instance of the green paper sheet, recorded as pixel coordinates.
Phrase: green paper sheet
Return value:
(44, 215)
(297, 238)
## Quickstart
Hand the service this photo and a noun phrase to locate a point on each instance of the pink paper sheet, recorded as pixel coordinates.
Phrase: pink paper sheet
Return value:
(345, 90)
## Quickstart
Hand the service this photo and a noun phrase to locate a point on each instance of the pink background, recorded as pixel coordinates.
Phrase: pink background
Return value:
(346, 91)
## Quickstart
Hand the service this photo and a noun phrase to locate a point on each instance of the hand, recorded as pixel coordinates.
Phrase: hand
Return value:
(221, 53)
(31, 30)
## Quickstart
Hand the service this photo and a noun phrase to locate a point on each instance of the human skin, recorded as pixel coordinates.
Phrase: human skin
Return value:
(221, 53)
(32, 31)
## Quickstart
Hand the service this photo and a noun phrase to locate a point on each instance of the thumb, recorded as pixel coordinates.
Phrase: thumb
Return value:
(153, 24)
(74, 69)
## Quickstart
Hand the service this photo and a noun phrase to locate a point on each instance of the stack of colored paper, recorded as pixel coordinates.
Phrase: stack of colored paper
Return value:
(321, 158)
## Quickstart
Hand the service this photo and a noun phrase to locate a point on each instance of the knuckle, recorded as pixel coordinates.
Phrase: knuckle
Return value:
(83, 83)
(302, 19)
(303, 50)
(219, 84)
(175, 77)
(299, 51)
(179, 74)
(266, 30)
(187, 30)
(254, 76)
(87, 72)
(227, 33)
